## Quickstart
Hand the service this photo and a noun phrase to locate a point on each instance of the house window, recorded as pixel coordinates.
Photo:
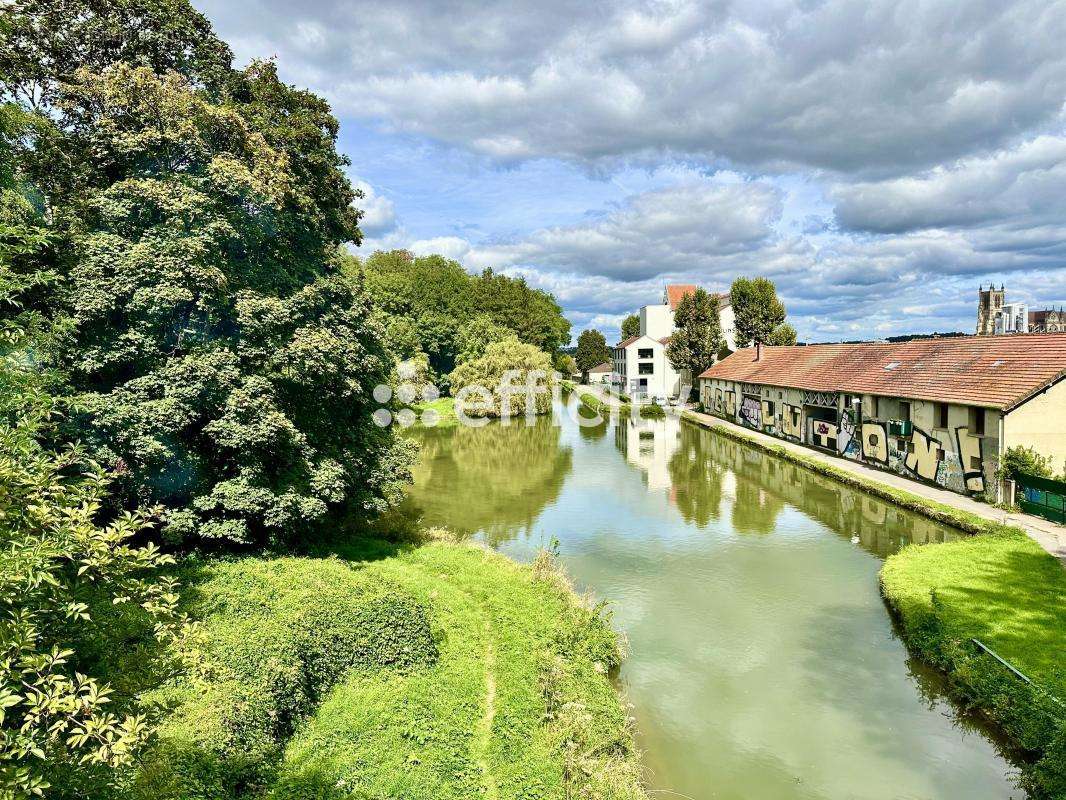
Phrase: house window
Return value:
(905, 411)
(942, 415)
(645, 352)
(645, 369)
(977, 422)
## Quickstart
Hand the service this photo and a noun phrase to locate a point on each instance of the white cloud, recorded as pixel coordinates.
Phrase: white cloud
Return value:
(857, 86)
(379, 215)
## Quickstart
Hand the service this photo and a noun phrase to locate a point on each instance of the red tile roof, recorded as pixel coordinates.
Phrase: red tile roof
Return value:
(604, 367)
(992, 371)
(675, 291)
(627, 342)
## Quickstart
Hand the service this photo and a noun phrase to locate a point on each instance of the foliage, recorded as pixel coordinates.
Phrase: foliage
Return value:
(697, 336)
(436, 297)
(475, 335)
(223, 368)
(71, 587)
(1001, 588)
(757, 310)
(276, 636)
(566, 364)
(1025, 460)
(494, 384)
(630, 326)
(49, 40)
(592, 351)
(784, 335)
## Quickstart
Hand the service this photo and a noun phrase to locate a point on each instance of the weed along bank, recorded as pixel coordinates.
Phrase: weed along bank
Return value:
(942, 411)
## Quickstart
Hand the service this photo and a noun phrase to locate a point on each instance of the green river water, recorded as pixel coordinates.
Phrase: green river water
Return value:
(763, 664)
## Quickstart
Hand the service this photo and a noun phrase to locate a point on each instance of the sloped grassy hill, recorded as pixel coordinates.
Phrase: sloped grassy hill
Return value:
(1001, 588)
(445, 671)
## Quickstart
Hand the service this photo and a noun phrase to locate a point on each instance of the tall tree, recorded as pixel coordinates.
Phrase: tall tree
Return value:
(757, 310)
(630, 326)
(438, 296)
(223, 365)
(782, 336)
(697, 336)
(592, 351)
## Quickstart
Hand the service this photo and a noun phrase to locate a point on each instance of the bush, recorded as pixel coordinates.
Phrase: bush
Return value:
(1025, 460)
(276, 636)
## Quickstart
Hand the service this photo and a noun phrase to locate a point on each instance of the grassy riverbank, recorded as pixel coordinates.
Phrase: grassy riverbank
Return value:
(441, 671)
(997, 586)
(598, 406)
(1002, 589)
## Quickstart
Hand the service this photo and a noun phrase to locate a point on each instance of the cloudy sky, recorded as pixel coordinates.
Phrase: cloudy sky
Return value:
(878, 159)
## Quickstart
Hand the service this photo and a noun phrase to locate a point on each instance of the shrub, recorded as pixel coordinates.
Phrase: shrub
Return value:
(1025, 460)
(276, 636)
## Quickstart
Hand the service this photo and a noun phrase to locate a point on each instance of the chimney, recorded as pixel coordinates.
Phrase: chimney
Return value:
(758, 351)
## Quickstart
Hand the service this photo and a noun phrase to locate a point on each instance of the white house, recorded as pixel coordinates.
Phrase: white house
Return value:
(640, 364)
(641, 367)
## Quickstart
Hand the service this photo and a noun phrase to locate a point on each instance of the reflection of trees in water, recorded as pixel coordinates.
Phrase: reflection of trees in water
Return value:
(765, 484)
(697, 476)
(494, 479)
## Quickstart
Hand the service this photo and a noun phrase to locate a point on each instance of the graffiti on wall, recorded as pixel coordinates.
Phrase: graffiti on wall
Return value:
(824, 434)
(792, 421)
(751, 411)
(971, 459)
(719, 401)
(924, 454)
(874, 442)
(847, 443)
(731, 404)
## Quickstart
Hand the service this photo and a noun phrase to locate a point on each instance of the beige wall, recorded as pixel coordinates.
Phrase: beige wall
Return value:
(1040, 424)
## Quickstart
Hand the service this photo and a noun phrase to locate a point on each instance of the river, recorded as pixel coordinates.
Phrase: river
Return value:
(763, 664)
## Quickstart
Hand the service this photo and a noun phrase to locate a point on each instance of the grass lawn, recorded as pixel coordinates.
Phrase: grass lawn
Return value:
(442, 671)
(443, 407)
(1001, 588)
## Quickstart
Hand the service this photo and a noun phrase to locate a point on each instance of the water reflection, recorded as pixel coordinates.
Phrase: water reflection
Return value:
(493, 480)
(763, 663)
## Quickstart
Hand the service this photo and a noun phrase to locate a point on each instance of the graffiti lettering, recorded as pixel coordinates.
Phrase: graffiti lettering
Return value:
(751, 411)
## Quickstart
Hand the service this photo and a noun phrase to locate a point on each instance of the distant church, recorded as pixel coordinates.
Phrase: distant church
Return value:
(995, 316)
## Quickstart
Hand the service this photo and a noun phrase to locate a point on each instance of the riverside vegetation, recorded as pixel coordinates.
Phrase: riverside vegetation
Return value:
(189, 359)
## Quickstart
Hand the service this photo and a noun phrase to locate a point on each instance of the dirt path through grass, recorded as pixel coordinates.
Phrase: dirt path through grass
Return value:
(484, 737)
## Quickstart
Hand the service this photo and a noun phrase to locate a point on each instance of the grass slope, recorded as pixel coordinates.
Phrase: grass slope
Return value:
(492, 682)
(1001, 588)
(518, 706)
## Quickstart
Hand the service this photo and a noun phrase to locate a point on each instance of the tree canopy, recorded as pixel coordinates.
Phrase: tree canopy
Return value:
(220, 362)
(592, 351)
(781, 336)
(757, 310)
(437, 297)
(697, 337)
(491, 385)
(630, 326)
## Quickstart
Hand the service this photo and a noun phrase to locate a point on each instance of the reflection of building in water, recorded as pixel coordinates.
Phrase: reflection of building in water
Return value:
(648, 445)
